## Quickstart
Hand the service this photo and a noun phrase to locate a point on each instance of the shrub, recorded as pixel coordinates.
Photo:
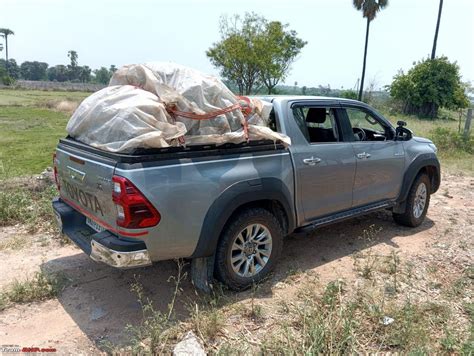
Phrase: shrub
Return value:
(428, 86)
(7, 80)
(349, 94)
(448, 140)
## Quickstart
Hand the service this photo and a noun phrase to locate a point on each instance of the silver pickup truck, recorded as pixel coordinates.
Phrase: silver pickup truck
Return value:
(228, 207)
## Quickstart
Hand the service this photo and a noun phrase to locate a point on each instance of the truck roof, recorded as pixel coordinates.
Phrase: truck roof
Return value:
(272, 98)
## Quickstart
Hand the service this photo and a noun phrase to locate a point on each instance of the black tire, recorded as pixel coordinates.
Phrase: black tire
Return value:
(408, 218)
(223, 269)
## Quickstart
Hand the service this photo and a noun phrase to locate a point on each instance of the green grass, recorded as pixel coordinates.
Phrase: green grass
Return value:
(28, 137)
(10, 97)
(454, 155)
(41, 287)
(27, 202)
(30, 129)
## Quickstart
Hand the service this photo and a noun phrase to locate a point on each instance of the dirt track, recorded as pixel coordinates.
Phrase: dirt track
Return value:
(98, 304)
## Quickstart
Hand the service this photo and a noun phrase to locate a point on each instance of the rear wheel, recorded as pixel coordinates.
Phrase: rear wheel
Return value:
(249, 248)
(418, 201)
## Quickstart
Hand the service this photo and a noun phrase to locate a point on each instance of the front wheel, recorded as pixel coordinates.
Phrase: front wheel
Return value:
(418, 201)
(248, 249)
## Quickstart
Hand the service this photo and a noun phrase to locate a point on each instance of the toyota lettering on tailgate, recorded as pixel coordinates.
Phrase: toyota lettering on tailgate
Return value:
(88, 200)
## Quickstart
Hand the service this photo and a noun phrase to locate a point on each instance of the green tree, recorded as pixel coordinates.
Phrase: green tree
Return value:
(435, 41)
(102, 75)
(113, 68)
(73, 56)
(369, 9)
(73, 67)
(5, 32)
(429, 85)
(84, 74)
(58, 73)
(277, 48)
(253, 51)
(34, 70)
(13, 68)
(236, 54)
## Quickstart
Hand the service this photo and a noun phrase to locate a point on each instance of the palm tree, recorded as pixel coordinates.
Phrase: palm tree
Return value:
(433, 52)
(369, 10)
(5, 32)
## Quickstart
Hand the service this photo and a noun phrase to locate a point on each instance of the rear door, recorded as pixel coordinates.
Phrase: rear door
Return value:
(324, 164)
(86, 185)
(380, 159)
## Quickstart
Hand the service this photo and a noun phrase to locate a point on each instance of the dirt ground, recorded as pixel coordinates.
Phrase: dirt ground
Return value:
(97, 304)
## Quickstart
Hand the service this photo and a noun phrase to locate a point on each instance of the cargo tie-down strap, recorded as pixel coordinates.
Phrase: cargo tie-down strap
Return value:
(246, 110)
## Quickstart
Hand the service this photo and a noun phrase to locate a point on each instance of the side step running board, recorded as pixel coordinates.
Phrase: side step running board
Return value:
(347, 214)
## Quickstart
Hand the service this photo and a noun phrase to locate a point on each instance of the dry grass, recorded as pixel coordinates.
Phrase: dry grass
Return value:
(40, 287)
(27, 201)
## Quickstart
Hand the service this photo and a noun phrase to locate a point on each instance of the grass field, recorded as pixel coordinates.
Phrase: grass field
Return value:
(31, 124)
(30, 127)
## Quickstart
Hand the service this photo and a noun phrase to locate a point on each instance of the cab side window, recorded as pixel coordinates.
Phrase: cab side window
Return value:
(367, 127)
(318, 124)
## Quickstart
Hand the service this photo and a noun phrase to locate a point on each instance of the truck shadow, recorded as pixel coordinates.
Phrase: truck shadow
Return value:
(101, 302)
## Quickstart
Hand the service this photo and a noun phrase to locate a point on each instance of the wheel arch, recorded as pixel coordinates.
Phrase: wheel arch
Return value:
(426, 163)
(269, 193)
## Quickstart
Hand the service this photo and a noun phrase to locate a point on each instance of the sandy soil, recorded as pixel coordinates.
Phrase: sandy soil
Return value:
(97, 304)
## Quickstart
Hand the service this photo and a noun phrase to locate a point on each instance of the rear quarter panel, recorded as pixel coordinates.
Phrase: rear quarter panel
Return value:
(184, 190)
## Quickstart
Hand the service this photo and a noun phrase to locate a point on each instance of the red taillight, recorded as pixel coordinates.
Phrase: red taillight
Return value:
(134, 211)
(55, 170)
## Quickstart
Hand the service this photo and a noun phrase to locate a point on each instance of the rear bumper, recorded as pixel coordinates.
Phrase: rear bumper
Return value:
(100, 246)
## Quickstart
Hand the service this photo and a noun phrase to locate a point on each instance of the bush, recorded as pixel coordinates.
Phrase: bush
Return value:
(448, 140)
(7, 80)
(348, 94)
(431, 84)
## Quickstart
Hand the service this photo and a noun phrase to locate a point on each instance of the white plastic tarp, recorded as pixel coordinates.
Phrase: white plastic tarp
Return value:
(134, 111)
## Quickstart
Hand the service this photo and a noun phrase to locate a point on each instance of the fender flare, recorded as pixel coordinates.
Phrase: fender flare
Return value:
(232, 199)
(423, 160)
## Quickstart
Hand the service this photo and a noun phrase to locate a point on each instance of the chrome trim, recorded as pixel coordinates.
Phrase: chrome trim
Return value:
(119, 259)
(76, 174)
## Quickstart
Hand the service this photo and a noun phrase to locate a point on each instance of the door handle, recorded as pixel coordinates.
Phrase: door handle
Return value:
(311, 161)
(363, 155)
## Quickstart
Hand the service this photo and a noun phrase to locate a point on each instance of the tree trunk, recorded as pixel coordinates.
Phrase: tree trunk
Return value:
(6, 54)
(433, 52)
(361, 89)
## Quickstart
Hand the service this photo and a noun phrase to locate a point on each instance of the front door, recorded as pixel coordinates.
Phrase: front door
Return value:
(324, 164)
(380, 159)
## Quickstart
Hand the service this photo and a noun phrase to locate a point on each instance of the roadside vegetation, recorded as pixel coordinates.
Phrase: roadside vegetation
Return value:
(28, 202)
(385, 307)
(41, 286)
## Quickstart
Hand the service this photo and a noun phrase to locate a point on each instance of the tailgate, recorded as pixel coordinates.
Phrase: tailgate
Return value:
(86, 184)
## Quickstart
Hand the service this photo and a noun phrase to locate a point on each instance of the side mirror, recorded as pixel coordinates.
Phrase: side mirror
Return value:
(402, 133)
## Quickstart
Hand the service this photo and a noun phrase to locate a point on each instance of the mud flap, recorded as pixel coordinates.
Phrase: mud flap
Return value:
(202, 273)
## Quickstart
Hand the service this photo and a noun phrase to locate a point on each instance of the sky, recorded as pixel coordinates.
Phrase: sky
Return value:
(119, 32)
